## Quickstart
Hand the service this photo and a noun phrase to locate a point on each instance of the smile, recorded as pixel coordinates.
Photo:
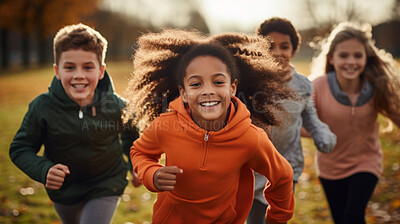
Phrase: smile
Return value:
(79, 86)
(350, 69)
(209, 104)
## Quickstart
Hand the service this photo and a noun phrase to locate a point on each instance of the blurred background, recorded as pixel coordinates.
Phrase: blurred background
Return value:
(27, 28)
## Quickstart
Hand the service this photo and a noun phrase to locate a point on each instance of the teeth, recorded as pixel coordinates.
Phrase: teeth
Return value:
(79, 85)
(350, 69)
(209, 104)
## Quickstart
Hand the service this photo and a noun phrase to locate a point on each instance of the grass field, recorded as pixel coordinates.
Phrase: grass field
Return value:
(25, 201)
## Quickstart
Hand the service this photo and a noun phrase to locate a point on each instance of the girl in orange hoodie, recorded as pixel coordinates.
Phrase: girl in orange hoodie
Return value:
(209, 143)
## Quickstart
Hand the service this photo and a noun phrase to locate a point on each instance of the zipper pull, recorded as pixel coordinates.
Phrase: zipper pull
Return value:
(80, 114)
(206, 136)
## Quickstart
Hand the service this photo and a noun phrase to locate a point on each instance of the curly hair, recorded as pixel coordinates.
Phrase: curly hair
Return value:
(160, 63)
(280, 25)
(380, 69)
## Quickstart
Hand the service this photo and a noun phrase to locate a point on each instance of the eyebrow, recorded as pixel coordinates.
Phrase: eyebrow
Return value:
(213, 76)
(85, 63)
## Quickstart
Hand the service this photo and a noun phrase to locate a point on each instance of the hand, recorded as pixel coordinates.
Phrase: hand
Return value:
(55, 176)
(165, 178)
(325, 143)
(135, 179)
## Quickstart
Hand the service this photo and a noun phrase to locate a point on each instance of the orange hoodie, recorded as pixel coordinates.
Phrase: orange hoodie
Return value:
(216, 185)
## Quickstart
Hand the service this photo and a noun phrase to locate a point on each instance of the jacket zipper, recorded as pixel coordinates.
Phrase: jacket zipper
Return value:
(205, 152)
(352, 113)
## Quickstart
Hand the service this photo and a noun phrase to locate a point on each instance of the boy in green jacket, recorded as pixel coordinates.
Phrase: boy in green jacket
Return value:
(79, 123)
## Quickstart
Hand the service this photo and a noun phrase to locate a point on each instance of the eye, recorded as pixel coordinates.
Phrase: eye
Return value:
(219, 82)
(68, 67)
(359, 55)
(195, 84)
(89, 67)
(272, 46)
(285, 47)
(343, 55)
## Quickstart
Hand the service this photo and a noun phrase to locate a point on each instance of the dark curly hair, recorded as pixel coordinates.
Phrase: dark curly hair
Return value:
(280, 25)
(161, 60)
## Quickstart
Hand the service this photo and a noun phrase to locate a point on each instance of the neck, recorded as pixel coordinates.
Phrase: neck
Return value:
(350, 86)
(211, 125)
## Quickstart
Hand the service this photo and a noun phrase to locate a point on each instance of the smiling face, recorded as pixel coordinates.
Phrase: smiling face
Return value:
(208, 91)
(349, 59)
(281, 45)
(79, 72)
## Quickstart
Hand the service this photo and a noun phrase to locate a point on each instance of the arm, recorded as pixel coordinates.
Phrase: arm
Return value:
(128, 135)
(324, 139)
(145, 154)
(26, 144)
(279, 188)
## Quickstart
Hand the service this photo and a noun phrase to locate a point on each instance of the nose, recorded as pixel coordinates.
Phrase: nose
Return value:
(208, 89)
(276, 52)
(79, 74)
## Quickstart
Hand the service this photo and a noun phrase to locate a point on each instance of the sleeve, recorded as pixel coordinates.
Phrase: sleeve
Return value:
(26, 144)
(128, 135)
(279, 188)
(324, 139)
(145, 154)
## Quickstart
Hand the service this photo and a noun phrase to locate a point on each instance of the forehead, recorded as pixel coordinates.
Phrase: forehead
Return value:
(78, 56)
(204, 66)
(279, 38)
(350, 45)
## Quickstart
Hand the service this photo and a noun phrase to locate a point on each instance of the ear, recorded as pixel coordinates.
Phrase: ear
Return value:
(102, 70)
(182, 92)
(234, 87)
(330, 60)
(292, 55)
(55, 68)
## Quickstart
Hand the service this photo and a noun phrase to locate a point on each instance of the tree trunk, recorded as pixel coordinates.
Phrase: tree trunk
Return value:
(42, 50)
(5, 54)
(25, 50)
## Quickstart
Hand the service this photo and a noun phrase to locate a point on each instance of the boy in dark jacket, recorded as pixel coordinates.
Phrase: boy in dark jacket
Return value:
(79, 123)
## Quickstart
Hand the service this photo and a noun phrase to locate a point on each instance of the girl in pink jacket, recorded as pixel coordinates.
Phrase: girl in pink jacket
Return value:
(360, 81)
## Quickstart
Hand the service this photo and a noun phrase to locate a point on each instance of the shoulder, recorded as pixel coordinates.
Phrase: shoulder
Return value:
(165, 120)
(40, 101)
(301, 83)
(320, 82)
(320, 79)
(257, 133)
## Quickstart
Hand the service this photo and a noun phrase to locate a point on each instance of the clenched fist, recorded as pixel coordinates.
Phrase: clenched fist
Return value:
(55, 176)
(165, 178)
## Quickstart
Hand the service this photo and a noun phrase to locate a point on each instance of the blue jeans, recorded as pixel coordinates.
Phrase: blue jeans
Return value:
(98, 210)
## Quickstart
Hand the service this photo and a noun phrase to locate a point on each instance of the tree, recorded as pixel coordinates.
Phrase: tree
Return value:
(43, 16)
(323, 14)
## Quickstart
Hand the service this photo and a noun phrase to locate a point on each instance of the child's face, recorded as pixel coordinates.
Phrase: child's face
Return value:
(208, 89)
(349, 59)
(281, 45)
(79, 72)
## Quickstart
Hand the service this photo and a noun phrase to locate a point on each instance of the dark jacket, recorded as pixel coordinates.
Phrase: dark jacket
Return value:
(85, 139)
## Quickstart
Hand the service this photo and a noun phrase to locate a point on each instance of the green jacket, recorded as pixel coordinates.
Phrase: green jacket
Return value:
(86, 139)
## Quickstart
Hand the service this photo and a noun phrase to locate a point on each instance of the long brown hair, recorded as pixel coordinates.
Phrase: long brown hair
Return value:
(380, 69)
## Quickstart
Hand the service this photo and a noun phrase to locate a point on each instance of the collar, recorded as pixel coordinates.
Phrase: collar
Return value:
(366, 94)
